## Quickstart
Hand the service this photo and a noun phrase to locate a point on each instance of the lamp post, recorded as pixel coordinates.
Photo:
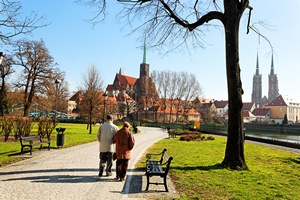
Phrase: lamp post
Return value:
(2, 89)
(146, 106)
(105, 96)
(56, 94)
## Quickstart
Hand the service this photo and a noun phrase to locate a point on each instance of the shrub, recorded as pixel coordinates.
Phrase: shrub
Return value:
(23, 126)
(7, 124)
(194, 136)
(46, 126)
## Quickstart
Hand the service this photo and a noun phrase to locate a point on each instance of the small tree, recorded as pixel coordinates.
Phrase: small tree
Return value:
(91, 87)
(7, 125)
(46, 126)
(23, 126)
(285, 120)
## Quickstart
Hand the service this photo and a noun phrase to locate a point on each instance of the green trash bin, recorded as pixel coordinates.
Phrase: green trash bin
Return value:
(60, 139)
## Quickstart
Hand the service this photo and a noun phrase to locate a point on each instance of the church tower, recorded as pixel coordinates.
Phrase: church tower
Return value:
(144, 86)
(144, 67)
(273, 84)
(257, 86)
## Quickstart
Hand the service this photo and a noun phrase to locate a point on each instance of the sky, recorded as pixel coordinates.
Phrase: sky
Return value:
(76, 45)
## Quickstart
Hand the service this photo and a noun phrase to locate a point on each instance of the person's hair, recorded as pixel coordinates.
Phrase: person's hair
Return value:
(109, 117)
(126, 124)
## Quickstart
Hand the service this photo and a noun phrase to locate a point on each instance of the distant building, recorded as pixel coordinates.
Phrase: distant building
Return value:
(262, 114)
(248, 106)
(222, 108)
(284, 105)
(273, 90)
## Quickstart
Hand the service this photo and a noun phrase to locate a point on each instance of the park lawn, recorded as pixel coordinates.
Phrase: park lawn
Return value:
(75, 134)
(197, 173)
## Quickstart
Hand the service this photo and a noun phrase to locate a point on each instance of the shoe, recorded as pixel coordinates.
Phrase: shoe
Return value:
(122, 179)
(108, 174)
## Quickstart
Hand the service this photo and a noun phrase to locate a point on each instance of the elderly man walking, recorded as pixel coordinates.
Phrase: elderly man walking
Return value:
(104, 135)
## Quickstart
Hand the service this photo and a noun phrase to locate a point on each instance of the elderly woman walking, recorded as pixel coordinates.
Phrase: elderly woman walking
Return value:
(124, 143)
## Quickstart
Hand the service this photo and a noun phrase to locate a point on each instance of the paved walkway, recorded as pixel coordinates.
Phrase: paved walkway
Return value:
(71, 173)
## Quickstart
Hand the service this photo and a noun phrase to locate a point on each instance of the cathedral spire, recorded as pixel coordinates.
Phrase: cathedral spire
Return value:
(144, 55)
(272, 66)
(257, 65)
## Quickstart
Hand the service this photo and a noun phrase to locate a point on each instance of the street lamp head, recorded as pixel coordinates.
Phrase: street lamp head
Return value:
(57, 81)
(1, 57)
(105, 95)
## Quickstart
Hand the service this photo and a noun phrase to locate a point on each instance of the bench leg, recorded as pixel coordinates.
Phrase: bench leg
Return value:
(165, 183)
(30, 150)
(21, 150)
(147, 182)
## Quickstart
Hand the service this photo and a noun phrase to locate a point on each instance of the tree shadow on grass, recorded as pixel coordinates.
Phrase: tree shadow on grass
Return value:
(47, 171)
(206, 168)
(55, 175)
(295, 160)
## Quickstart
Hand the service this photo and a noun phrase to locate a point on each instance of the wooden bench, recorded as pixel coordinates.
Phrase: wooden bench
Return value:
(30, 141)
(158, 168)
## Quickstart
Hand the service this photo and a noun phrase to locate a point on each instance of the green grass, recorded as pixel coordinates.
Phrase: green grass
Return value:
(197, 174)
(75, 134)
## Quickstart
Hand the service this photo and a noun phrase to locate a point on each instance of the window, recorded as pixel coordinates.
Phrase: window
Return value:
(280, 110)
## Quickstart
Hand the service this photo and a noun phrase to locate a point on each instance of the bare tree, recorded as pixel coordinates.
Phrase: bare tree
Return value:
(91, 89)
(162, 82)
(192, 90)
(11, 22)
(37, 69)
(5, 70)
(176, 22)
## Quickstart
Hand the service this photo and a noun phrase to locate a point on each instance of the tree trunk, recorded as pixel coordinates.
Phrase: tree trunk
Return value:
(234, 154)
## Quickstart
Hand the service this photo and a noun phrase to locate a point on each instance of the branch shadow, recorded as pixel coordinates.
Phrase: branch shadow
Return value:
(34, 176)
(49, 171)
(295, 160)
(206, 168)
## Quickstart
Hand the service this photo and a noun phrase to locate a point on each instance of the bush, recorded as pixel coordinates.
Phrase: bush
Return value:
(193, 136)
(7, 124)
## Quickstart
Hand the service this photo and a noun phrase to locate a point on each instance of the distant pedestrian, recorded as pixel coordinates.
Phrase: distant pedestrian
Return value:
(106, 148)
(124, 144)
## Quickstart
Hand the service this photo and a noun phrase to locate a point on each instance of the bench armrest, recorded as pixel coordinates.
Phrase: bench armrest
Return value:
(149, 155)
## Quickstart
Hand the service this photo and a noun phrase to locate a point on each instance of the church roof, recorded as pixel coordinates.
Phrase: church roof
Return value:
(126, 80)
